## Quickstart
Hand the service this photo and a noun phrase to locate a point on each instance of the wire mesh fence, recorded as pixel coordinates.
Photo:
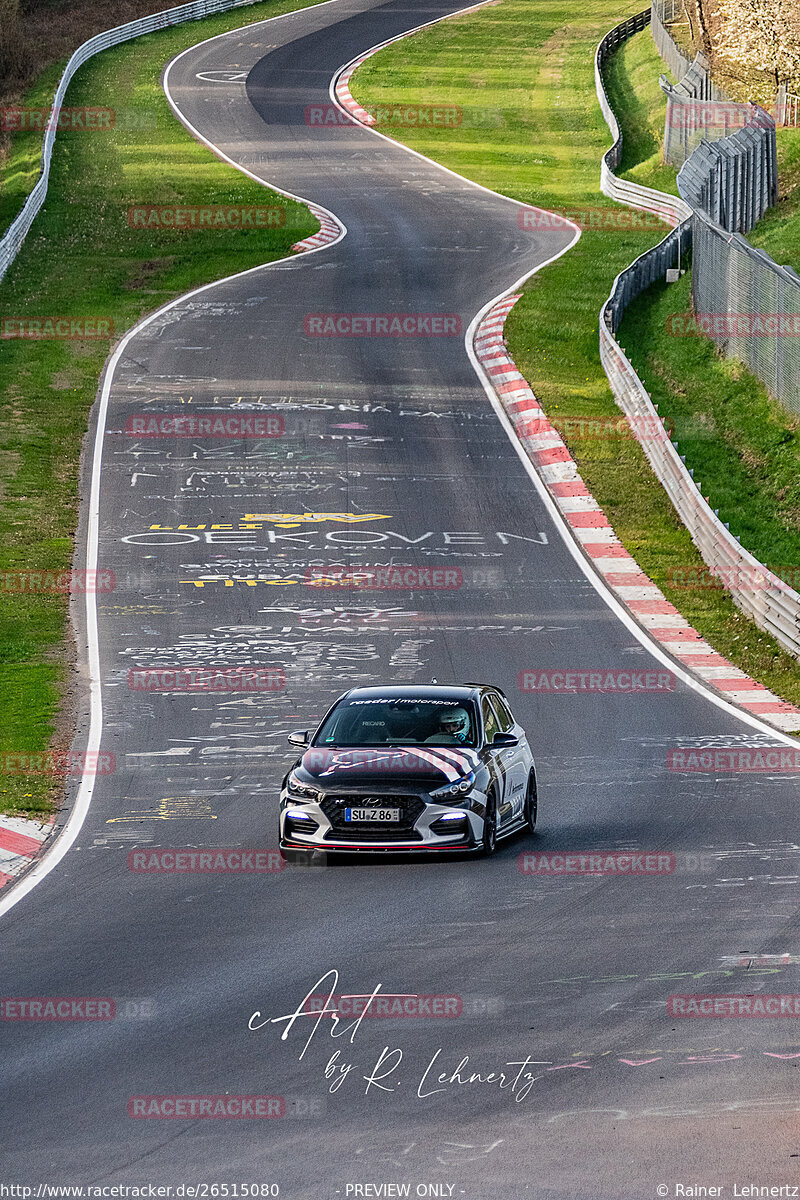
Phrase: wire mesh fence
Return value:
(692, 120)
(661, 12)
(742, 298)
(749, 305)
(734, 181)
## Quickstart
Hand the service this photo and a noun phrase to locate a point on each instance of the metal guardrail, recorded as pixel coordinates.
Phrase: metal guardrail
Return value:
(758, 592)
(671, 208)
(18, 230)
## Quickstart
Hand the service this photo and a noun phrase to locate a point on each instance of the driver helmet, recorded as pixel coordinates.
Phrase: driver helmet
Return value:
(455, 722)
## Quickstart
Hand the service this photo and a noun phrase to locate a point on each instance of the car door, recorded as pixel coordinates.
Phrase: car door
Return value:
(513, 759)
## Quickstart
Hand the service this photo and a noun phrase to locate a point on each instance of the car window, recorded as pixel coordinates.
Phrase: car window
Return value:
(503, 713)
(490, 722)
(399, 721)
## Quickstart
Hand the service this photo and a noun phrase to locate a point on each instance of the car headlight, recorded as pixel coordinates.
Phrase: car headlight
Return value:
(457, 790)
(299, 790)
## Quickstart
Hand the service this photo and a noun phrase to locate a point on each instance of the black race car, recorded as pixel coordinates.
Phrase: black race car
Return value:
(409, 768)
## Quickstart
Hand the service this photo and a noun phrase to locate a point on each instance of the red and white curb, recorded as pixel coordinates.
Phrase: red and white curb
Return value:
(589, 525)
(331, 231)
(20, 842)
(341, 82)
(343, 94)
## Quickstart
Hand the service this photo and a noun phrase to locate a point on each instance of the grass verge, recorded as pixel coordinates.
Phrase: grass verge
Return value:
(536, 66)
(81, 259)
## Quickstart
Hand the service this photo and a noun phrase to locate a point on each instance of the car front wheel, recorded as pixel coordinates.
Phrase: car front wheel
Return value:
(531, 809)
(489, 841)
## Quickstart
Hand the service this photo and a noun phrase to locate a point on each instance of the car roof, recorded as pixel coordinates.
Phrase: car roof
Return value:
(424, 691)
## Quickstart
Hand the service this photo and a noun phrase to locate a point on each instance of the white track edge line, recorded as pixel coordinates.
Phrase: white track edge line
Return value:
(72, 828)
(65, 839)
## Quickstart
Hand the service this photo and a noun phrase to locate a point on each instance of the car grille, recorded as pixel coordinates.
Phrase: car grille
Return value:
(349, 831)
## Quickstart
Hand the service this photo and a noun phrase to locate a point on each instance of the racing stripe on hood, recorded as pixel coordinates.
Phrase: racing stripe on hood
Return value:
(441, 762)
(467, 760)
(452, 765)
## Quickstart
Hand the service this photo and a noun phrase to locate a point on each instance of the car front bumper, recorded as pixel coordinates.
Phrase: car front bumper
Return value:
(328, 831)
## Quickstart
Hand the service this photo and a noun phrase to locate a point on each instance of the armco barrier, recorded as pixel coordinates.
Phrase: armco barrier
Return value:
(774, 606)
(671, 208)
(18, 230)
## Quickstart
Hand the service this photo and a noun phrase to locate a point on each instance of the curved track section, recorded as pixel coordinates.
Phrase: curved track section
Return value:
(390, 454)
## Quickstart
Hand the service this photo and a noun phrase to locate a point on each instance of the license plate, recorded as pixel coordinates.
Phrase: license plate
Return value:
(372, 814)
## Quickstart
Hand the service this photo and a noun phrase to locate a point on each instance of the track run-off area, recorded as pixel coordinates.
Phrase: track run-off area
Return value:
(543, 1055)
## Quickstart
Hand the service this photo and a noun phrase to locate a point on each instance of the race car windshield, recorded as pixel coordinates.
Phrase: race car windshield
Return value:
(400, 722)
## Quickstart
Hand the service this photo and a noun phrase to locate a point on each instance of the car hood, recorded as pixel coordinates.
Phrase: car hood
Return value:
(415, 766)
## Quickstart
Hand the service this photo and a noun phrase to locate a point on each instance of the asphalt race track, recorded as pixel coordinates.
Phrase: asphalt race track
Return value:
(569, 973)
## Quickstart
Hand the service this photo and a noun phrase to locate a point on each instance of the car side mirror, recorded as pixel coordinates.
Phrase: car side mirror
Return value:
(504, 739)
(300, 737)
